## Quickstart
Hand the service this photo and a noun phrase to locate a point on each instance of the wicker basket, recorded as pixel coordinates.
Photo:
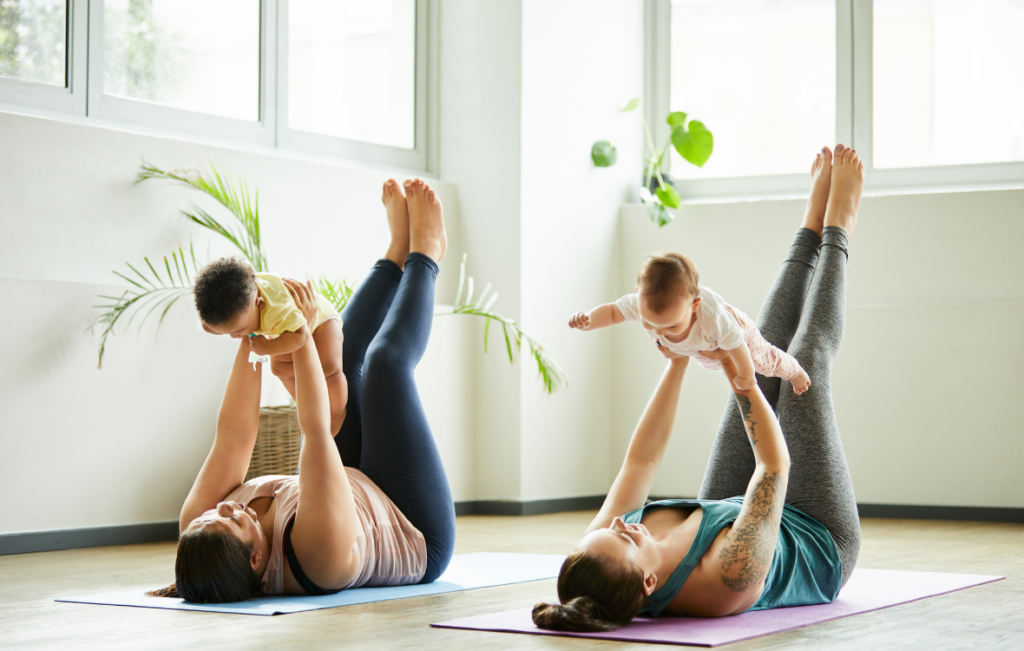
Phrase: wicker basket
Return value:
(277, 444)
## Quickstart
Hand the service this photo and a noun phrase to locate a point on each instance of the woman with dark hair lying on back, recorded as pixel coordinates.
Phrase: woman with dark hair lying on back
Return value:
(369, 507)
(775, 526)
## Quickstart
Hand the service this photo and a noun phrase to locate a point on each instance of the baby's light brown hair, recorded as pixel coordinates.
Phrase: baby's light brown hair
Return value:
(665, 277)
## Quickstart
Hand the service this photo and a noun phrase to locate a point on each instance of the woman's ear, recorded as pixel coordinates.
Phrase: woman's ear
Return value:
(650, 583)
(255, 558)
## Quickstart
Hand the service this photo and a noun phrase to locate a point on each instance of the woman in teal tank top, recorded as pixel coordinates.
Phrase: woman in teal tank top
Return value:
(776, 524)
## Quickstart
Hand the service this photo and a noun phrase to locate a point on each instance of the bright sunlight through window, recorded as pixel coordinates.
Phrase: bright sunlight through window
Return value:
(352, 69)
(948, 82)
(196, 55)
(33, 41)
(761, 74)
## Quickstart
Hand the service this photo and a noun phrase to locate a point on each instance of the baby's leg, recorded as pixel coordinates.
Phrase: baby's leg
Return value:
(771, 361)
(329, 343)
(283, 369)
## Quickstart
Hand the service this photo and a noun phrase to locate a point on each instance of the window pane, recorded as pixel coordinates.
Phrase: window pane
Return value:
(948, 82)
(761, 75)
(197, 55)
(33, 40)
(352, 69)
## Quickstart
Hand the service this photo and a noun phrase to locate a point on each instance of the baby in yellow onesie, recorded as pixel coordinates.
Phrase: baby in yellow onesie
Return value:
(234, 300)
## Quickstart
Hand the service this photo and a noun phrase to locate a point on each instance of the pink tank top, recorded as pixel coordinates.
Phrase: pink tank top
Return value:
(393, 551)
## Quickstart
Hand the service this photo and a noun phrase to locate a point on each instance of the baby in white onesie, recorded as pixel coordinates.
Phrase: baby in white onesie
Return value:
(688, 319)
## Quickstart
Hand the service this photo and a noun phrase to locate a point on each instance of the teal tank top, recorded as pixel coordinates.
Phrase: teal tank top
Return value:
(806, 569)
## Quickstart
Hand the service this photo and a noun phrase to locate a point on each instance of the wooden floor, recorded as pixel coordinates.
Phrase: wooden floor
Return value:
(986, 617)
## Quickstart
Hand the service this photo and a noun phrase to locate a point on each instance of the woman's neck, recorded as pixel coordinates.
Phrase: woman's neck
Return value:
(266, 513)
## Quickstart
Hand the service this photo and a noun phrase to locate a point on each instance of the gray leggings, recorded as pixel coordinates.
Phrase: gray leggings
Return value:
(804, 315)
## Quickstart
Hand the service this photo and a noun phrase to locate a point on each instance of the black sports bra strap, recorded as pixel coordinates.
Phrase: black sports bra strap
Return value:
(293, 562)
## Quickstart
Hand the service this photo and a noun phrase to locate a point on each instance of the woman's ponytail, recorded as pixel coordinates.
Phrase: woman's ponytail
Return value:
(581, 615)
(594, 597)
(169, 591)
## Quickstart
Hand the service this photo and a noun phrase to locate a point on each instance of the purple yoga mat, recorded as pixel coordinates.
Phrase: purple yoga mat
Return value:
(867, 590)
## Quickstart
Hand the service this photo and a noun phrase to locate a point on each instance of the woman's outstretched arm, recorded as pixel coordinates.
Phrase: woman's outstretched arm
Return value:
(745, 554)
(237, 425)
(326, 529)
(646, 448)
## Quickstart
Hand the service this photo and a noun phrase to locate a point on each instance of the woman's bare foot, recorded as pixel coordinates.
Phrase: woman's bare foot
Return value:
(398, 221)
(801, 382)
(845, 191)
(821, 180)
(426, 221)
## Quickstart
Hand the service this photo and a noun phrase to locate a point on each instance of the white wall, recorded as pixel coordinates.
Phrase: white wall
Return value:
(480, 154)
(926, 383)
(573, 94)
(524, 93)
(82, 447)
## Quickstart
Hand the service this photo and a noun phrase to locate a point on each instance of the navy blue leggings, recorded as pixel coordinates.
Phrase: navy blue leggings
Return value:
(386, 434)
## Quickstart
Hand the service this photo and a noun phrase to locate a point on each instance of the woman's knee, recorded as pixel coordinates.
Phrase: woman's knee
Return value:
(381, 357)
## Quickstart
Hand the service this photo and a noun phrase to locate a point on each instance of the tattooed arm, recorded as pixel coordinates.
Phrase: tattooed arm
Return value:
(745, 553)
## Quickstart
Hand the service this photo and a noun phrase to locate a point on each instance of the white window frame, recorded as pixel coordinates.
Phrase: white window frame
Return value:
(854, 84)
(71, 99)
(83, 99)
(417, 158)
(140, 112)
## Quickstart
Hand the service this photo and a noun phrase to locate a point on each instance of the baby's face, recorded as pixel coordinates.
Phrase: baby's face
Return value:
(673, 321)
(241, 325)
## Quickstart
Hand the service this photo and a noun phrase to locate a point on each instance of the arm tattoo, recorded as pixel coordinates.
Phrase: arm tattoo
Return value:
(748, 420)
(750, 547)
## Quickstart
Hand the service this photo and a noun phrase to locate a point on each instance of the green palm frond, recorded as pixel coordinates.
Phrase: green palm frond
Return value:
(233, 194)
(150, 291)
(551, 374)
(338, 292)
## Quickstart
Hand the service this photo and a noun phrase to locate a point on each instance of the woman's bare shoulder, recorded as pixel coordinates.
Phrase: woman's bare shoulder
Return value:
(705, 594)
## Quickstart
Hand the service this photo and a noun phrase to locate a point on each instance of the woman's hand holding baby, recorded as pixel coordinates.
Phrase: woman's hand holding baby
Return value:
(739, 384)
(302, 294)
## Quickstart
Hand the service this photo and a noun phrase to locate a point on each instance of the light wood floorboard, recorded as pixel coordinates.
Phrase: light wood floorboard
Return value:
(986, 617)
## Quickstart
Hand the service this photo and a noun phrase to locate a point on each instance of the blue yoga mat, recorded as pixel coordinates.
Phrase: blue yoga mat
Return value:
(466, 572)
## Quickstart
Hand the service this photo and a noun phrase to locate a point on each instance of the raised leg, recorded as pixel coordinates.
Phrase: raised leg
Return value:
(732, 462)
(364, 315)
(399, 452)
(819, 478)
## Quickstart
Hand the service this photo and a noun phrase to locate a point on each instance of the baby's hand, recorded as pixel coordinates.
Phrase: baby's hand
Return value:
(801, 383)
(259, 344)
(580, 321)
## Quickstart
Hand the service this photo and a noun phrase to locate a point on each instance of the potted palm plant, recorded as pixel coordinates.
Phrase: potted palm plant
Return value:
(154, 288)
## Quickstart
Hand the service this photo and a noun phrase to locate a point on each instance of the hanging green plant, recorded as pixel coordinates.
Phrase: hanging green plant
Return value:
(690, 138)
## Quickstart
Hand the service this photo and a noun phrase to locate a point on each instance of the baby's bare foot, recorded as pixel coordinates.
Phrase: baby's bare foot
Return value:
(398, 221)
(821, 179)
(845, 191)
(426, 221)
(801, 382)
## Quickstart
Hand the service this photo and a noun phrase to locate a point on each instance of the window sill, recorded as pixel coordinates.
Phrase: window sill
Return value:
(224, 143)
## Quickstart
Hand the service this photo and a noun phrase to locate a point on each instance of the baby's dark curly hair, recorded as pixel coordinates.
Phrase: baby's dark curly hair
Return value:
(222, 289)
